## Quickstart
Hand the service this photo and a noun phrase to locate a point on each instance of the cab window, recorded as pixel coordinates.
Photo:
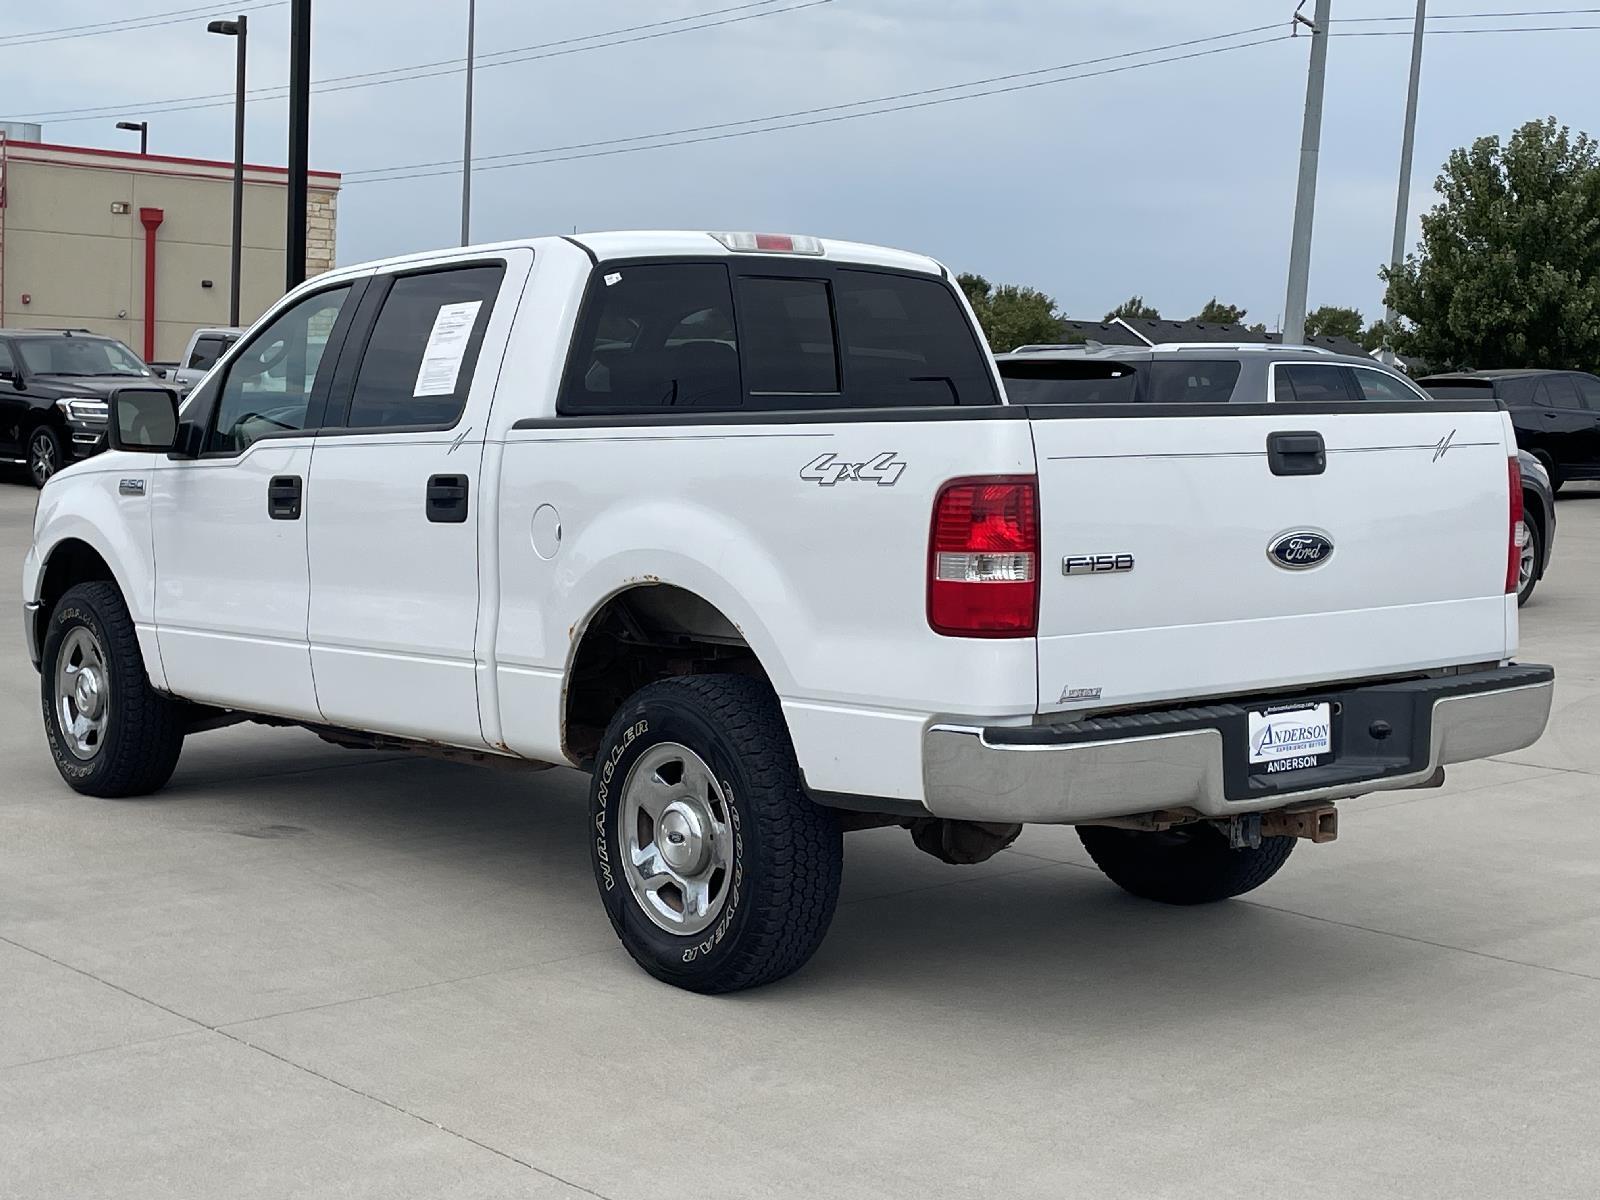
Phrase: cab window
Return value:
(269, 385)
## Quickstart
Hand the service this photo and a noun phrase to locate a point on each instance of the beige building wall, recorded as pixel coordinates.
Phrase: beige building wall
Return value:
(72, 241)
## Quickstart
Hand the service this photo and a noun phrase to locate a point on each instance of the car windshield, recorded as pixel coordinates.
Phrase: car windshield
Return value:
(79, 356)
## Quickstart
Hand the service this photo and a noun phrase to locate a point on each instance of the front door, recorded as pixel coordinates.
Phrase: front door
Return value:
(396, 502)
(230, 526)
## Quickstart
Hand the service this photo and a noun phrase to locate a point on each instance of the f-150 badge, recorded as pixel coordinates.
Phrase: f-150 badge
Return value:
(826, 470)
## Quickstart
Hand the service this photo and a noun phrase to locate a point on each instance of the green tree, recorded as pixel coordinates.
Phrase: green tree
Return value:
(1217, 313)
(1133, 306)
(1011, 315)
(1333, 321)
(1508, 271)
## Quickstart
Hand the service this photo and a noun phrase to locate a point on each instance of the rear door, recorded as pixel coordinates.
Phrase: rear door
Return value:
(1567, 424)
(1589, 394)
(1411, 500)
(395, 505)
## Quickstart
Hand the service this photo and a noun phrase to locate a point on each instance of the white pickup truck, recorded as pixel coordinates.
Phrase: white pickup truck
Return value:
(744, 526)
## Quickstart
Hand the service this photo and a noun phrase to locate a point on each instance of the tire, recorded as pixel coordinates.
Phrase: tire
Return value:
(44, 455)
(1549, 465)
(707, 760)
(1189, 864)
(129, 735)
(1535, 546)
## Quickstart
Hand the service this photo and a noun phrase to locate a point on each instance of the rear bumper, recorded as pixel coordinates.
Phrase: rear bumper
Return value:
(1195, 757)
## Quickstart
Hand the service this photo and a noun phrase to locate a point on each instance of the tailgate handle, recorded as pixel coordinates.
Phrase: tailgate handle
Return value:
(1296, 453)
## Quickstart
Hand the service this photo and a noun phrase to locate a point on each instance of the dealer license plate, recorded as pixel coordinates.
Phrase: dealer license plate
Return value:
(1290, 737)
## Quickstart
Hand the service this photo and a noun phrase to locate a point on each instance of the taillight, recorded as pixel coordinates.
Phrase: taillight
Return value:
(983, 558)
(1518, 532)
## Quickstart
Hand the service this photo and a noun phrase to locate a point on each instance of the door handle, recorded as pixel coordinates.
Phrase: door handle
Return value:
(447, 499)
(283, 497)
(1296, 453)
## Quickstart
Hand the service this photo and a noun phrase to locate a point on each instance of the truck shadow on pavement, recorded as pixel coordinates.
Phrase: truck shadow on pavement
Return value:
(1031, 936)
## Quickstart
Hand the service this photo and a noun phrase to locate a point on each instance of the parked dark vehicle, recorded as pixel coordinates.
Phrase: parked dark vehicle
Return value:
(1539, 522)
(1556, 414)
(53, 389)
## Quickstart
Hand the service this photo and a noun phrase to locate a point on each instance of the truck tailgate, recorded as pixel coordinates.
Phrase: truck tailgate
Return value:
(1156, 577)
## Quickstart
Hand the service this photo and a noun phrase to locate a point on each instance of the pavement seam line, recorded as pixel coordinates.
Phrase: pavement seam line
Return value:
(71, 1054)
(389, 1104)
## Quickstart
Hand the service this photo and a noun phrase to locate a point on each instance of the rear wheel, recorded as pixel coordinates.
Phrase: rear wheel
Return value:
(1531, 555)
(717, 871)
(110, 732)
(1188, 864)
(45, 455)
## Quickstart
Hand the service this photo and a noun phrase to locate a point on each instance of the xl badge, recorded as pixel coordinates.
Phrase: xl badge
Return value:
(1300, 549)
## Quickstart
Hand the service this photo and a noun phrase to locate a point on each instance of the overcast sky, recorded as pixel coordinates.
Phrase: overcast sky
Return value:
(1174, 180)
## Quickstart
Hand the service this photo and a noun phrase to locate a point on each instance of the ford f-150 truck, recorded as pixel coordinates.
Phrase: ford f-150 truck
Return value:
(743, 525)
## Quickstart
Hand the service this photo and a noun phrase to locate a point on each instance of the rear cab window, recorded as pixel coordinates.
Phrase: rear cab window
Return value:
(779, 335)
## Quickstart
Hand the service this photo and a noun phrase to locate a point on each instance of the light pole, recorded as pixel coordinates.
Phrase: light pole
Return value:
(142, 128)
(466, 138)
(238, 28)
(1305, 198)
(299, 139)
(1408, 143)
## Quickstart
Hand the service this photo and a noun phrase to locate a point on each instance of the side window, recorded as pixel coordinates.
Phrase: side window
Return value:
(1199, 382)
(907, 342)
(1541, 395)
(205, 353)
(1589, 391)
(269, 386)
(788, 338)
(656, 336)
(418, 364)
(1563, 391)
(1065, 381)
(1313, 382)
(1381, 386)
(7, 366)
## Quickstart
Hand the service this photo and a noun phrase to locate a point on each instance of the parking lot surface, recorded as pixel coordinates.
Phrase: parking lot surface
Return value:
(302, 971)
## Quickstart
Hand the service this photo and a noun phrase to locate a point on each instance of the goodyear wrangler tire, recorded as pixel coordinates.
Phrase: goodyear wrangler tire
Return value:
(717, 871)
(1188, 864)
(111, 734)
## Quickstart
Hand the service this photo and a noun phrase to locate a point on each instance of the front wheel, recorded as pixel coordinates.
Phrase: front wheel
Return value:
(717, 871)
(45, 455)
(1187, 864)
(110, 732)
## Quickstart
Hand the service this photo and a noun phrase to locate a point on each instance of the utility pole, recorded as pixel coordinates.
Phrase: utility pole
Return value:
(1305, 199)
(1408, 143)
(466, 138)
(299, 139)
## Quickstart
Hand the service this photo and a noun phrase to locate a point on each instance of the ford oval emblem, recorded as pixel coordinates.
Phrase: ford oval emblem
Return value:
(1300, 549)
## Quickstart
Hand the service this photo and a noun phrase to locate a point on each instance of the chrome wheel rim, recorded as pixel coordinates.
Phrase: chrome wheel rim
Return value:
(1525, 561)
(83, 693)
(676, 827)
(43, 458)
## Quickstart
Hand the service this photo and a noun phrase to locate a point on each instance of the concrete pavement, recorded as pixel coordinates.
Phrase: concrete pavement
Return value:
(310, 972)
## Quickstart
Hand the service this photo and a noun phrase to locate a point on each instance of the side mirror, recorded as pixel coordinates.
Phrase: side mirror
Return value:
(143, 419)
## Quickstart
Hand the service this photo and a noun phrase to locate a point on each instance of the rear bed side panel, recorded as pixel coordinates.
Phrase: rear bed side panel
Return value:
(824, 575)
(1413, 502)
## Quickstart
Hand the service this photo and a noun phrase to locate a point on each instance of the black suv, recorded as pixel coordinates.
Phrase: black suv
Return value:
(53, 389)
(1556, 414)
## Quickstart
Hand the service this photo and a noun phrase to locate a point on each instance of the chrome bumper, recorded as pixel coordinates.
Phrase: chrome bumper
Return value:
(1193, 757)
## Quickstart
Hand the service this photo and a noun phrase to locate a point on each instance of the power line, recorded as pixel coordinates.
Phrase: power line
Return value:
(454, 66)
(1477, 16)
(827, 108)
(128, 24)
(878, 112)
(1336, 32)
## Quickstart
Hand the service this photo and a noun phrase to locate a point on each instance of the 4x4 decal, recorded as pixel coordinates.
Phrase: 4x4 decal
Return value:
(826, 470)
